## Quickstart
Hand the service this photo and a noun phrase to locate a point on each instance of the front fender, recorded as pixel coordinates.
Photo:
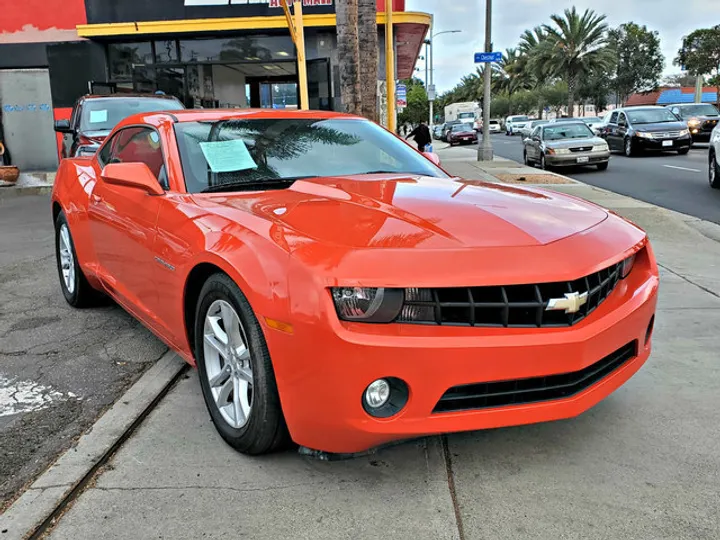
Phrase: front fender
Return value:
(74, 182)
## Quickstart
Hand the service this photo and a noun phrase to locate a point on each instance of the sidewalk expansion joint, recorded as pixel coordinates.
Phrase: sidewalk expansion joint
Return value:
(451, 486)
(690, 281)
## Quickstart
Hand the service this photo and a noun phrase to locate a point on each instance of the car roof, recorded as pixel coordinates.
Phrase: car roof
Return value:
(126, 96)
(216, 115)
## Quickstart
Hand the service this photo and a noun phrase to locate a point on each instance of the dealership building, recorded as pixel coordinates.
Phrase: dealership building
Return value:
(207, 53)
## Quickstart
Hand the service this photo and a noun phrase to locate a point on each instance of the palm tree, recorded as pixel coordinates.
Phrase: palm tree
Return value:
(368, 42)
(575, 45)
(531, 62)
(349, 52)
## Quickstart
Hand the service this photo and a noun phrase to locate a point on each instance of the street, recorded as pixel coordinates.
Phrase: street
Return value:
(669, 180)
(60, 368)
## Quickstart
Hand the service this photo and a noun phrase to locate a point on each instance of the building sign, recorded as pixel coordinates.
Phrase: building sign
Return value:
(120, 11)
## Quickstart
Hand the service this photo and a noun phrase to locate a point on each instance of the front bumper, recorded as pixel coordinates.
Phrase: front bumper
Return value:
(577, 159)
(333, 363)
(699, 135)
(657, 144)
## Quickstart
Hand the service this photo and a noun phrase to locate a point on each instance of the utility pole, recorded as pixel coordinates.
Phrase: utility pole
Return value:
(390, 67)
(485, 151)
(431, 48)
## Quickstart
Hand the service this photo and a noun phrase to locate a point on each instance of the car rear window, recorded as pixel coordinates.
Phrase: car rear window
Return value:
(105, 114)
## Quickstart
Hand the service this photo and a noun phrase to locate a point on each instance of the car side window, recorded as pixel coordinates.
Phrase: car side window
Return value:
(75, 120)
(622, 121)
(613, 118)
(536, 132)
(137, 144)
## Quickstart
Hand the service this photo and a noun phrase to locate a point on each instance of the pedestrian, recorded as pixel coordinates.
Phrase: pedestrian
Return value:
(422, 137)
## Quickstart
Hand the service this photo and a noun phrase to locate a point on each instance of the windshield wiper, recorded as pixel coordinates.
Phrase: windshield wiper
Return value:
(261, 184)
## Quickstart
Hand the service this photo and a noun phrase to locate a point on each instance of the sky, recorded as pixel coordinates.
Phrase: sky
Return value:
(454, 52)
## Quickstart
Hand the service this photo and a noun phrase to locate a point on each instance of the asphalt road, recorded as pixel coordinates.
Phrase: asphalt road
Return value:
(669, 180)
(60, 368)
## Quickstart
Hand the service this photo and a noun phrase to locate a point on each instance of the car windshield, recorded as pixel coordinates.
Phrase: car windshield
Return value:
(704, 109)
(253, 152)
(105, 114)
(463, 127)
(539, 123)
(591, 119)
(651, 116)
(575, 130)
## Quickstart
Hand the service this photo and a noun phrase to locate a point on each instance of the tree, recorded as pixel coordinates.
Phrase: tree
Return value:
(639, 62)
(368, 42)
(556, 96)
(700, 53)
(679, 79)
(349, 52)
(575, 45)
(595, 89)
(418, 108)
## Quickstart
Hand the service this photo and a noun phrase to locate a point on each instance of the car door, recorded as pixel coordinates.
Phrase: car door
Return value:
(123, 220)
(611, 131)
(533, 144)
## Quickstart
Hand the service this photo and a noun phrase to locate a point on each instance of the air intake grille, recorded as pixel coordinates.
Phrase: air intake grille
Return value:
(510, 306)
(521, 391)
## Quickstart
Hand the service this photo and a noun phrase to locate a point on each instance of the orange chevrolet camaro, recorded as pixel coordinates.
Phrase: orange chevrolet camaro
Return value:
(336, 287)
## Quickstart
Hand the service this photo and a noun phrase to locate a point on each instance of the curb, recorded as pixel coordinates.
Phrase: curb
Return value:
(36, 509)
(10, 192)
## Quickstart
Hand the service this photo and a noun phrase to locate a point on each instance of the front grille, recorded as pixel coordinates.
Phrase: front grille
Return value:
(582, 149)
(709, 125)
(666, 135)
(521, 391)
(510, 306)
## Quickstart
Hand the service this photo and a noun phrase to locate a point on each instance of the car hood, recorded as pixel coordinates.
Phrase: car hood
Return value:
(374, 211)
(661, 126)
(574, 143)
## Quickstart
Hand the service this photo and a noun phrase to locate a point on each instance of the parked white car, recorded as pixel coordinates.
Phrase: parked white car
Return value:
(495, 126)
(513, 124)
(714, 158)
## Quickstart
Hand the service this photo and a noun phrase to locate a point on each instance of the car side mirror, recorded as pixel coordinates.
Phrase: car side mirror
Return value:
(132, 175)
(63, 126)
(432, 156)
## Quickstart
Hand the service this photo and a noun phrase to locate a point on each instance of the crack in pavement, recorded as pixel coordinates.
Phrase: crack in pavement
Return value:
(690, 281)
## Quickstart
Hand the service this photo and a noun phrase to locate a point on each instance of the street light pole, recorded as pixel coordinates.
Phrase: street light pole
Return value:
(431, 45)
(485, 151)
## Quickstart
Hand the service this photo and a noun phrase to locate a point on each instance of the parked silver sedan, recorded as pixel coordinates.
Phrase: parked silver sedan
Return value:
(565, 144)
(530, 126)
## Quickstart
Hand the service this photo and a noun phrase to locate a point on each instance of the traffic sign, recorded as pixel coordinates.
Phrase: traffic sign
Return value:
(401, 103)
(484, 57)
(401, 91)
(431, 92)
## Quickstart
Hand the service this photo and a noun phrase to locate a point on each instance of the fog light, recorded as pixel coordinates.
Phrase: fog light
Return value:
(377, 394)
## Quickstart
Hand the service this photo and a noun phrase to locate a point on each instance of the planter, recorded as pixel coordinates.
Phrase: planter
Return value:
(9, 174)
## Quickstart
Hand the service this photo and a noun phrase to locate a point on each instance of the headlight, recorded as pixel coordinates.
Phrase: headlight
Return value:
(561, 151)
(601, 148)
(644, 134)
(627, 266)
(366, 304)
(684, 132)
(693, 122)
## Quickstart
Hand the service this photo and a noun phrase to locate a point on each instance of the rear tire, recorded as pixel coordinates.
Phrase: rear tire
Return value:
(714, 171)
(264, 429)
(74, 285)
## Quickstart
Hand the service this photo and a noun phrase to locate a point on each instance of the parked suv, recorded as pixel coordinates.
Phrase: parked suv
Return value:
(94, 117)
(513, 124)
(701, 119)
(632, 129)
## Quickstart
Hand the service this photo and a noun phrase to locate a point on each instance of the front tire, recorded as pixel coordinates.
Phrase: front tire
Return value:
(543, 163)
(528, 162)
(603, 166)
(73, 283)
(683, 151)
(629, 147)
(236, 373)
(714, 171)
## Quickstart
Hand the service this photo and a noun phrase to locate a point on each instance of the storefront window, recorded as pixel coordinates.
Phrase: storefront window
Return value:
(124, 56)
(166, 51)
(238, 49)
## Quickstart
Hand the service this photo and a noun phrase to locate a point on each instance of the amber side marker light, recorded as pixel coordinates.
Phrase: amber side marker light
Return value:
(279, 325)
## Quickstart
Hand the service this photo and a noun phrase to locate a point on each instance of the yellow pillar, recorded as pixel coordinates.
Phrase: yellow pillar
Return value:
(302, 65)
(390, 65)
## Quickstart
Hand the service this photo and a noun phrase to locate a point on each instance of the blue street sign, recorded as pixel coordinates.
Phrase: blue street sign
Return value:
(401, 91)
(482, 57)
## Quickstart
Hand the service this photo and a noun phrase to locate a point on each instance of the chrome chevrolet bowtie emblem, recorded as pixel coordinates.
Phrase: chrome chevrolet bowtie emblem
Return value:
(570, 304)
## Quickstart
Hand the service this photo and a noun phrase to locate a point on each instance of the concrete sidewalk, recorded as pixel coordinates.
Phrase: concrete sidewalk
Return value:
(643, 464)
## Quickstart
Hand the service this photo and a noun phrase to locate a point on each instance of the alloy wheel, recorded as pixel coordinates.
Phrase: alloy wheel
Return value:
(67, 261)
(628, 147)
(228, 363)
